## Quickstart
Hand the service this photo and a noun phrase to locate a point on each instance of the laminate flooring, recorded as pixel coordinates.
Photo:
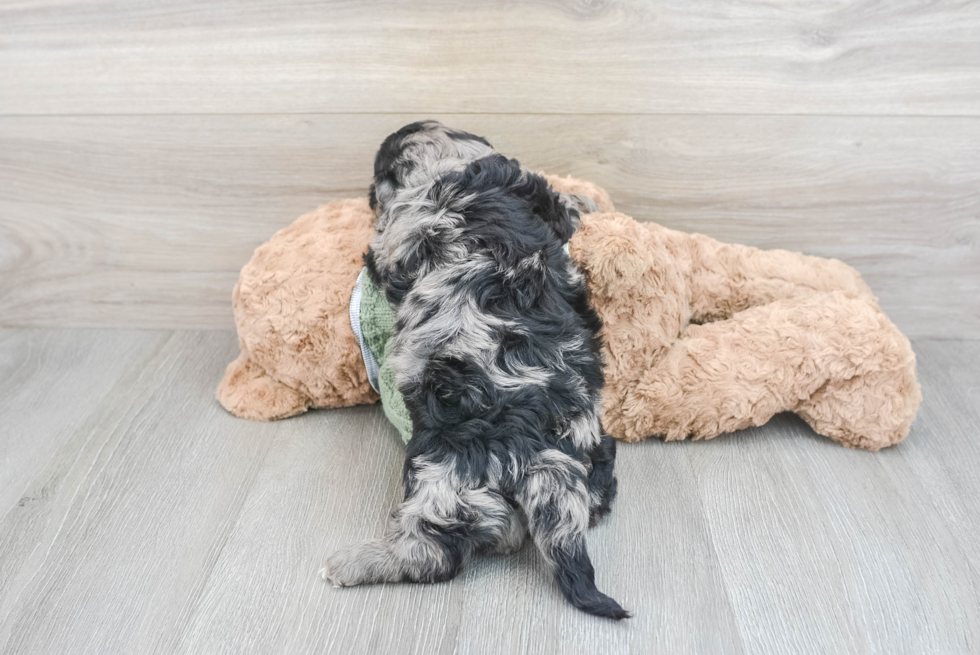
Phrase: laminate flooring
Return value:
(137, 516)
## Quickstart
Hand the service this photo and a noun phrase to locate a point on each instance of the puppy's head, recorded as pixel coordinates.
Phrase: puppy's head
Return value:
(418, 153)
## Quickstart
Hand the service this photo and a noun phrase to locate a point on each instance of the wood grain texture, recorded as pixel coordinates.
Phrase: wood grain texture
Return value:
(317, 494)
(122, 523)
(797, 520)
(50, 391)
(670, 56)
(946, 437)
(158, 523)
(144, 221)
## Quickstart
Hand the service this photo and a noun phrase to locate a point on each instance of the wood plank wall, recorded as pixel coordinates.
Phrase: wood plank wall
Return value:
(147, 147)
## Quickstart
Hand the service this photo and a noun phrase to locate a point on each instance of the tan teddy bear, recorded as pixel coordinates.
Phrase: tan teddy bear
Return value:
(701, 337)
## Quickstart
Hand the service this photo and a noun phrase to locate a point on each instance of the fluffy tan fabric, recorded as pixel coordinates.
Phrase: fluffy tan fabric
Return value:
(291, 308)
(701, 337)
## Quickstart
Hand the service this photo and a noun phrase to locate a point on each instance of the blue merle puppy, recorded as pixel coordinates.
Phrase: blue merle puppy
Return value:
(497, 353)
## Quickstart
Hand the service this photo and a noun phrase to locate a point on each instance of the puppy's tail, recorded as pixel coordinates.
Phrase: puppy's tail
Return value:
(555, 499)
(576, 579)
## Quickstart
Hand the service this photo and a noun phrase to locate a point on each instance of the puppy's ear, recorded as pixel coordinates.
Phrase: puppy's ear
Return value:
(373, 198)
(547, 205)
(581, 204)
(575, 186)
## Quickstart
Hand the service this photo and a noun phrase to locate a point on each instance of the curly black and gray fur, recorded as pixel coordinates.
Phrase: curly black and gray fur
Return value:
(497, 353)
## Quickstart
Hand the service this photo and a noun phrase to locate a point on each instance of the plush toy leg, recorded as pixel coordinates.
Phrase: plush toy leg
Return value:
(871, 410)
(248, 392)
(726, 278)
(835, 359)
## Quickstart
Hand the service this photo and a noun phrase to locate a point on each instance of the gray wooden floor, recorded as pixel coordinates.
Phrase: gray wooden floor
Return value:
(137, 516)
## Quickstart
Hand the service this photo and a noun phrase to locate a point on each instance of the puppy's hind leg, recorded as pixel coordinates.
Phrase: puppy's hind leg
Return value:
(555, 498)
(420, 553)
(602, 481)
(425, 542)
(508, 530)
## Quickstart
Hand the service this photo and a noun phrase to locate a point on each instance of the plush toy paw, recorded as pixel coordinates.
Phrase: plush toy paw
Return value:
(249, 392)
(612, 254)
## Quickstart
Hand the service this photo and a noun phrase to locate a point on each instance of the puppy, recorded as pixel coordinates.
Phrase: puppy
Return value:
(497, 354)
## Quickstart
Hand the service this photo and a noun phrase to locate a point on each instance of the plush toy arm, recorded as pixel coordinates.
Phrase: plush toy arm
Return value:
(835, 360)
(292, 311)
(249, 392)
(728, 278)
